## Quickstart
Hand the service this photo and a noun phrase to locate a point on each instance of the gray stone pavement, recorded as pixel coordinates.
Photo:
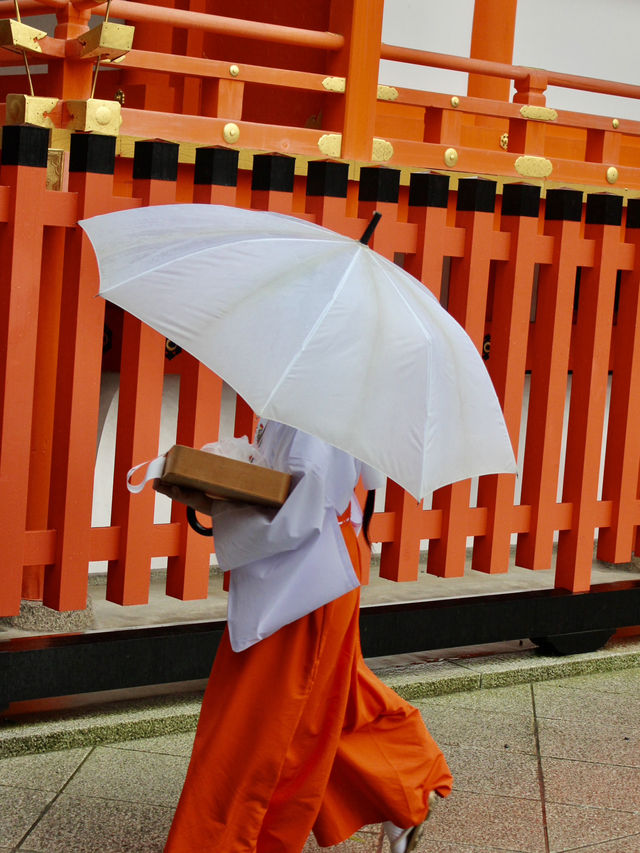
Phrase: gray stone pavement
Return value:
(545, 753)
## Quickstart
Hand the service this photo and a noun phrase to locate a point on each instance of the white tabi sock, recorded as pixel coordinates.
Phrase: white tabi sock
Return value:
(391, 830)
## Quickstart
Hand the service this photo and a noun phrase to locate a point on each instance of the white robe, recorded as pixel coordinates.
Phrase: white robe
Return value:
(285, 563)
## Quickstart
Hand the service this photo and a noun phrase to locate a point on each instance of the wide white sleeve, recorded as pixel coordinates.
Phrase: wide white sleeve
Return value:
(244, 533)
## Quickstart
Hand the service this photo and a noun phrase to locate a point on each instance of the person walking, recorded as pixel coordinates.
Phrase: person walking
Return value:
(296, 734)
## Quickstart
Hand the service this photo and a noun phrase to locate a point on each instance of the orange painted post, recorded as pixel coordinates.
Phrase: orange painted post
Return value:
(360, 21)
(70, 77)
(428, 206)
(531, 88)
(621, 470)
(144, 90)
(326, 190)
(155, 174)
(511, 310)
(442, 126)
(215, 178)
(189, 43)
(379, 190)
(326, 196)
(550, 364)
(400, 557)
(44, 397)
(198, 423)
(78, 380)
(592, 338)
(492, 37)
(24, 160)
(272, 183)
(223, 98)
(468, 289)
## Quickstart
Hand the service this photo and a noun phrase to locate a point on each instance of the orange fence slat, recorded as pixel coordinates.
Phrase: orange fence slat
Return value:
(467, 302)
(592, 338)
(510, 317)
(24, 157)
(155, 172)
(78, 381)
(137, 439)
(550, 360)
(621, 470)
(198, 420)
(44, 398)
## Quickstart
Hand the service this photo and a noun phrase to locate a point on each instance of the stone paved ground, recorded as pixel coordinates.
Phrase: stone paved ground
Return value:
(547, 763)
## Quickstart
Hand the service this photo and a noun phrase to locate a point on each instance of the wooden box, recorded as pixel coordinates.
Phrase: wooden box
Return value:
(228, 479)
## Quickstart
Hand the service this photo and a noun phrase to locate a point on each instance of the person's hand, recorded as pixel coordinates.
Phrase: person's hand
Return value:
(191, 497)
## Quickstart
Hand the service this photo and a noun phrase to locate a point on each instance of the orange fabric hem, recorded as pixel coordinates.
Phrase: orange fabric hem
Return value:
(297, 734)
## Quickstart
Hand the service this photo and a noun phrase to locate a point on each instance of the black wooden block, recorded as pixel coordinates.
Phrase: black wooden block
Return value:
(603, 209)
(563, 205)
(327, 178)
(428, 189)
(25, 145)
(633, 213)
(155, 160)
(520, 200)
(379, 184)
(273, 172)
(216, 166)
(476, 194)
(92, 153)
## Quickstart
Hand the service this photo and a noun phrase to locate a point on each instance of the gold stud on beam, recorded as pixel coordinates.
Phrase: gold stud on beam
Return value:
(231, 132)
(450, 157)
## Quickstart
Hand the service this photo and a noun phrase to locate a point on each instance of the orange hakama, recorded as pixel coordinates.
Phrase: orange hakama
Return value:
(297, 734)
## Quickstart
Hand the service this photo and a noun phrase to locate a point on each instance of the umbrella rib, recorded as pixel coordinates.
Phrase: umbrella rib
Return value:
(150, 271)
(425, 333)
(312, 330)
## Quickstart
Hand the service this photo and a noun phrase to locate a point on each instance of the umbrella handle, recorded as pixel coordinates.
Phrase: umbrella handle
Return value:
(194, 524)
(371, 227)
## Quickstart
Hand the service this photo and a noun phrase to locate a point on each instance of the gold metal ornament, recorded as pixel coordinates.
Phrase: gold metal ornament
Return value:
(616, 122)
(95, 115)
(612, 174)
(18, 37)
(330, 144)
(504, 141)
(533, 167)
(381, 149)
(55, 169)
(107, 41)
(450, 157)
(335, 84)
(234, 70)
(27, 109)
(455, 101)
(531, 111)
(387, 93)
(231, 132)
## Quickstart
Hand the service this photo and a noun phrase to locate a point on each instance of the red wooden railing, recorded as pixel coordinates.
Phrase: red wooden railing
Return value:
(544, 278)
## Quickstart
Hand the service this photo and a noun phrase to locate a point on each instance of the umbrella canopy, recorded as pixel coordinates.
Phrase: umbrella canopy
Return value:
(314, 330)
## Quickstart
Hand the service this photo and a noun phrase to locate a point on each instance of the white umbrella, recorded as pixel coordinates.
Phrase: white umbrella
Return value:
(314, 330)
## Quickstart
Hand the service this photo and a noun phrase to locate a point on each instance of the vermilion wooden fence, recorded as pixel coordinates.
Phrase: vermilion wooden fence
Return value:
(580, 320)
(544, 275)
